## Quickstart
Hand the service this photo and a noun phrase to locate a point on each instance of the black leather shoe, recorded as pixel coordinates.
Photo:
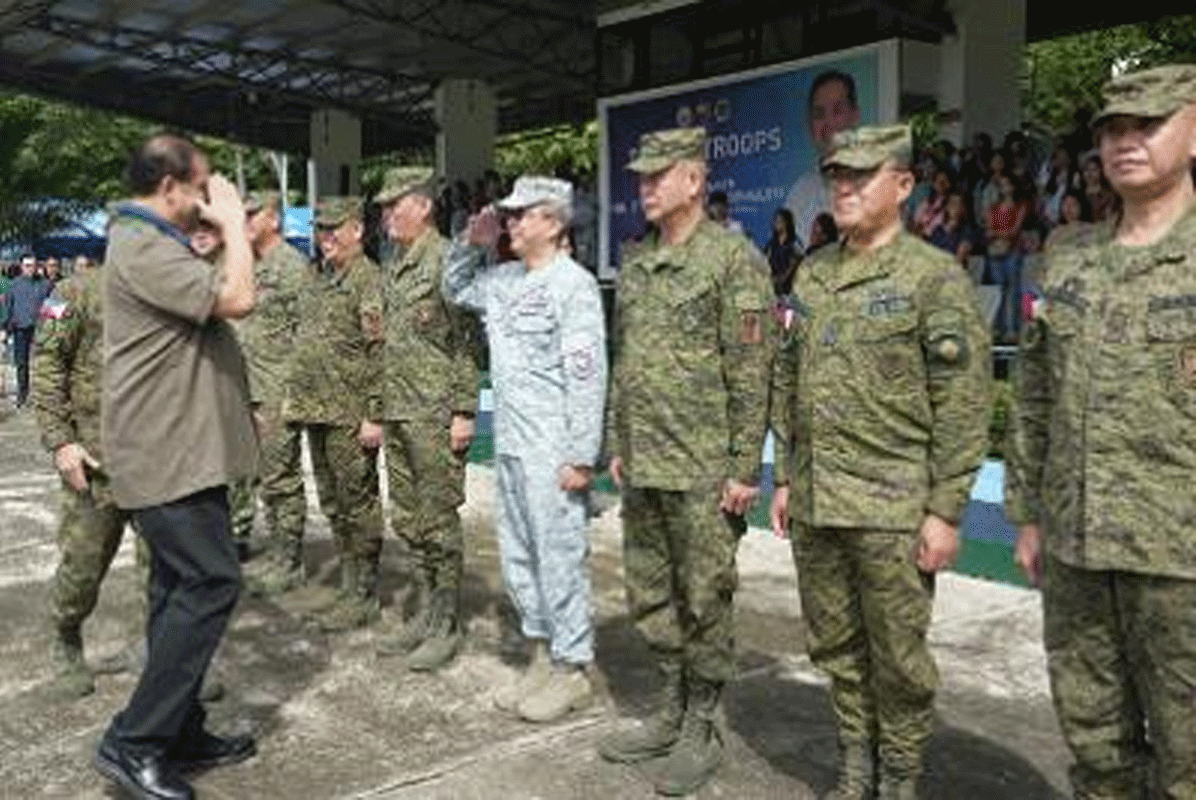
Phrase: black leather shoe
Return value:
(206, 750)
(143, 777)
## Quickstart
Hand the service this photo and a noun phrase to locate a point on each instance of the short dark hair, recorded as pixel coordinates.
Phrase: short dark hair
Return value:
(829, 77)
(718, 197)
(161, 155)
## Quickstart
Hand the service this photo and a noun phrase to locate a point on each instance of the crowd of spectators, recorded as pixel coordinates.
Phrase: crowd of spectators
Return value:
(993, 208)
(459, 200)
(996, 208)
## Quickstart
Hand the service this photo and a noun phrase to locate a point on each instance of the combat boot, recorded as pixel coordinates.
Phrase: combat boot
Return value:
(313, 600)
(360, 606)
(510, 697)
(654, 736)
(444, 635)
(281, 571)
(412, 632)
(72, 677)
(897, 787)
(856, 775)
(698, 751)
(565, 689)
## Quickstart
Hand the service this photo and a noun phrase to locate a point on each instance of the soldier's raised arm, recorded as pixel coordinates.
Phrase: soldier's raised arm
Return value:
(464, 280)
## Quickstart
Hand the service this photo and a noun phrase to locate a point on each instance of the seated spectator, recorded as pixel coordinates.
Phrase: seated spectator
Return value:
(987, 191)
(1056, 181)
(954, 233)
(718, 212)
(783, 251)
(824, 230)
(931, 212)
(1099, 194)
(1073, 213)
(1006, 220)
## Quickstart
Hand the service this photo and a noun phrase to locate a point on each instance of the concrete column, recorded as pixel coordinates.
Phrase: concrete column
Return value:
(981, 69)
(465, 111)
(335, 140)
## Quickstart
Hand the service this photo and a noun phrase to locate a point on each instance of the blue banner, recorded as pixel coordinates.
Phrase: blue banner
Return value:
(765, 133)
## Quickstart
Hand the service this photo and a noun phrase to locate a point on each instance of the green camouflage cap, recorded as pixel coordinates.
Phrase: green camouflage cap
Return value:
(333, 211)
(256, 201)
(868, 146)
(658, 150)
(532, 190)
(399, 181)
(1158, 92)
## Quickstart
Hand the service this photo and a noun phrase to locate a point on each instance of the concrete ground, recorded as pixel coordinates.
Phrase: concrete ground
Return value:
(334, 721)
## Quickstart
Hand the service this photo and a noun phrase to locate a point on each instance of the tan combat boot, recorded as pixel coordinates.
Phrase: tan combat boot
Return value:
(699, 751)
(72, 678)
(654, 736)
(565, 689)
(509, 698)
(444, 636)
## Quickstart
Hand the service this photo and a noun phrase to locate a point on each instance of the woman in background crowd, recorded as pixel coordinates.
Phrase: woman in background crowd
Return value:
(783, 251)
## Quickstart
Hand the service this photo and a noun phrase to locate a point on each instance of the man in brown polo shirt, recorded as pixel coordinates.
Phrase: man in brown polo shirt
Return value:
(176, 429)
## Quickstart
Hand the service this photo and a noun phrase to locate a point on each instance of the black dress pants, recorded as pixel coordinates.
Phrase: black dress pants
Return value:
(194, 585)
(22, 348)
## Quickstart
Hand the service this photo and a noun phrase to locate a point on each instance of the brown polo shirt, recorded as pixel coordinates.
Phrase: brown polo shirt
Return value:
(175, 405)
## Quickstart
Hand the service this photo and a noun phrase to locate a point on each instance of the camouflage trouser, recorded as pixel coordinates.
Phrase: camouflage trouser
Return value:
(425, 482)
(242, 506)
(280, 484)
(867, 608)
(348, 486)
(1121, 649)
(89, 534)
(680, 576)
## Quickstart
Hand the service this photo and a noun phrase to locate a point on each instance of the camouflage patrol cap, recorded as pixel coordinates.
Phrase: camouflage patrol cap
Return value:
(399, 181)
(868, 146)
(257, 201)
(532, 190)
(333, 211)
(658, 150)
(1157, 92)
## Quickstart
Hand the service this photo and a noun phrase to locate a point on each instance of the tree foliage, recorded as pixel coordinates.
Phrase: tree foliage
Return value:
(1066, 74)
(548, 150)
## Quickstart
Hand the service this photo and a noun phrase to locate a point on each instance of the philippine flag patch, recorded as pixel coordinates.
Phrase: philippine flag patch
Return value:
(53, 307)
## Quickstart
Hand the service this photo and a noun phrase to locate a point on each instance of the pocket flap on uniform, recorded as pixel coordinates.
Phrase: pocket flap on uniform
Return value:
(1171, 319)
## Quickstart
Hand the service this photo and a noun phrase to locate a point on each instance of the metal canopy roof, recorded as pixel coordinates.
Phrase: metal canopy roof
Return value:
(254, 70)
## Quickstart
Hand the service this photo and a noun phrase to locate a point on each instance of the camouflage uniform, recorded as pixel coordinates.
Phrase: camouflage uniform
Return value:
(335, 386)
(692, 366)
(66, 397)
(882, 405)
(268, 338)
(1101, 457)
(429, 376)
